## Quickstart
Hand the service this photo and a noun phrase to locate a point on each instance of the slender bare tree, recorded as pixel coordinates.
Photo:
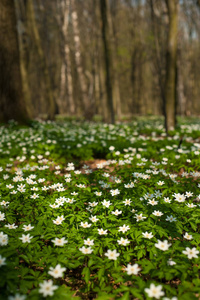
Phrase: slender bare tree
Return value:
(107, 56)
(171, 65)
(66, 97)
(79, 66)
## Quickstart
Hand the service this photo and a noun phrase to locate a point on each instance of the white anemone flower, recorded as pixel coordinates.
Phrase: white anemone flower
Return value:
(47, 288)
(154, 291)
(112, 254)
(132, 269)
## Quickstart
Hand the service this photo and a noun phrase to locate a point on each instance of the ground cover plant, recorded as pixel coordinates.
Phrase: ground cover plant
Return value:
(123, 227)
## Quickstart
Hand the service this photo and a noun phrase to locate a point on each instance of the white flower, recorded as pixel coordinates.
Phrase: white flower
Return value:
(157, 213)
(77, 172)
(59, 220)
(187, 236)
(34, 189)
(114, 192)
(123, 242)
(118, 181)
(100, 166)
(147, 235)
(14, 192)
(85, 225)
(2, 261)
(85, 250)
(93, 204)
(93, 219)
(74, 193)
(67, 179)
(4, 203)
(11, 226)
(171, 219)
(54, 206)
(27, 227)
(26, 238)
(47, 288)
(89, 242)
(112, 254)
(34, 196)
(82, 186)
(45, 188)
(111, 148)
(106, 203)
(3, 239)
(129, 185)
(170, 262)
(70, 200)
(139, 217)
(190, 205)
(162, 245)
(116, 212)
(167, 200)
(188, 194)
(160, 182)
(2, 216)
(59, 242)
(101, 231)
(17, 297)
(132, 269)
(154, 291)
(124, 228)
(10, 186)
(57, 271)
(61, 202)
(98, 193)
(127, 202)
(191, 252)
(152, 202)
(106, 175)
(179, 197)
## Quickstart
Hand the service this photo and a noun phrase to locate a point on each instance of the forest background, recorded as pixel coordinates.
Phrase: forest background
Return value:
(103, 59)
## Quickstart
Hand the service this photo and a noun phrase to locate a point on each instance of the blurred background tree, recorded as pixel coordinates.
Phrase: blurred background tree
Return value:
(110, 58)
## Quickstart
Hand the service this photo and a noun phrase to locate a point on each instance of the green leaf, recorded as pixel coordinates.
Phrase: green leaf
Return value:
(101, 273)
(126, 296)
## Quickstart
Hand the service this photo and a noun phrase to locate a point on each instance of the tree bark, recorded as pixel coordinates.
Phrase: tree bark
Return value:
(114, 58)
(170, 83)
(158, 55)
(49, 93)
(107, 56)
(78, 62)
(23, 59)
(12, 104)
(66, 72)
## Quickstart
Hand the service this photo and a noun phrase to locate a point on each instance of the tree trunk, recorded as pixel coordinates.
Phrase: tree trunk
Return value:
(158, 55)
(23, 59)
(82, 81)
(107, 56)
(12, 105)
(66, 73)
(114, 46)
(181, 105)
(170, 83)
(49, 93)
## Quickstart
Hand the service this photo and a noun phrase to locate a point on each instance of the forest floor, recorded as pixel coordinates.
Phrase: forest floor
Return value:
(99, 211)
